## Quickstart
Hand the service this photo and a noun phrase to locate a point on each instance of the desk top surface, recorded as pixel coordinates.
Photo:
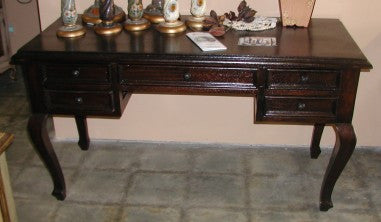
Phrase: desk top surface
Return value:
(325, 41)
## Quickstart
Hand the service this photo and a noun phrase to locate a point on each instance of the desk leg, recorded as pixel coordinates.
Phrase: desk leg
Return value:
(40, 138)
(344, 147)
(315, 141)
(84, 140)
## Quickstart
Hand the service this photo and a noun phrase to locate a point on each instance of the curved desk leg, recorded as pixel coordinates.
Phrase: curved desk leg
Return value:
(84, 140)
(39, 136)
(315, 141)
(344, 146)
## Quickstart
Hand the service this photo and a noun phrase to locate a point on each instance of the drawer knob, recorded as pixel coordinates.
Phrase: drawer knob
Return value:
(301, 106)
(304, 78)
(78, 100)
(76, 73)
(187, 76)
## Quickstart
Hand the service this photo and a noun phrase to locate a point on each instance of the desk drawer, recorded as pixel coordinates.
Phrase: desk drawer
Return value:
(71, 102)
(302, 79)
(76, 73)
(172, 75)
(307, 107)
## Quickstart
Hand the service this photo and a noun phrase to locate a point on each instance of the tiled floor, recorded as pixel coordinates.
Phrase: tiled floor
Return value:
(172, 182)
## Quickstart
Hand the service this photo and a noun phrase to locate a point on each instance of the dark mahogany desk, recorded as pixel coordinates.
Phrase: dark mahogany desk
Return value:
(311, 77)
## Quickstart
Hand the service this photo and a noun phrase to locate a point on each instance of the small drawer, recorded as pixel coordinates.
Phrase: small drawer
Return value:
(74, 101)
(168, 75)
(302, 79)
(76, 73)
(299, 106)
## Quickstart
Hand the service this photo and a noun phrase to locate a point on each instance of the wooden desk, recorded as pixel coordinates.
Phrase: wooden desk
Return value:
(311, 77)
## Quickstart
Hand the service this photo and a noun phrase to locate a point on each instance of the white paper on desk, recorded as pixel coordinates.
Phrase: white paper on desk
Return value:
(206, 41)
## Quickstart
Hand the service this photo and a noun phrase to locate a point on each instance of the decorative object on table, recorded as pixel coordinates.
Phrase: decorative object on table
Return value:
(206, 42)
(91, 15)
(106, 14)
(257, 41)
(69, 17)
(135, 14)
(296, 12)
(172, 23)
(154, 11)
(259, 23)
(215, 24)
(198, 7)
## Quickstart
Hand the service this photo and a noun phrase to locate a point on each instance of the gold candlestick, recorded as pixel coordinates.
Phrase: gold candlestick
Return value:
(91, 15)
(135, 13)
(69, 17)
(107, 14)
(171, 15)
(198, 7)
(154, 11)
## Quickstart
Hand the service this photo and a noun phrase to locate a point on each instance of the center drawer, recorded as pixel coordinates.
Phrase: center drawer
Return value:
(174, 75)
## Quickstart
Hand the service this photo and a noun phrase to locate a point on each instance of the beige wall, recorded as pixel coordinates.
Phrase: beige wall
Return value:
(229, 119)
(24, 19)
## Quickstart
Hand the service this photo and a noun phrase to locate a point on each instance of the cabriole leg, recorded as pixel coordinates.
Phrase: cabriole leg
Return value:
(344, 146)
(39, 136)
(84, 140)
(315, 141)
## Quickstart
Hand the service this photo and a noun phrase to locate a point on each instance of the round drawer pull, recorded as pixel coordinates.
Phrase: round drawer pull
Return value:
(305, 78)
(301, 106)
(75, 73)
(187, 76)
(78, 100)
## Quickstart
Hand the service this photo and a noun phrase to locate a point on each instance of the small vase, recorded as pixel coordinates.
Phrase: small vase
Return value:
(198, 8)
(296, 12)
(69, 18)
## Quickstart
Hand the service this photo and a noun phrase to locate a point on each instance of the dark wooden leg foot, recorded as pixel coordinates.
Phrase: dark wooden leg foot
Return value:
(84, 140)
(315, 141)
(344, 147)
(39, 136)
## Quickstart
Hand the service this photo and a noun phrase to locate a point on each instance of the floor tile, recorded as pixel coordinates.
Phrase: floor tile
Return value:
(148, 214)
(83, 213)
(336, 215)
(283, 192)
(68, 154)
(98, 186)
(215, 215)
(218, 161)
(14, 105)
(159, 159)
(273, 162)
(276, 216)
(20, 151)
(119, 159)
(35, 211)
(213, 191)
(157, 189)
(36, 182)
(371, 160)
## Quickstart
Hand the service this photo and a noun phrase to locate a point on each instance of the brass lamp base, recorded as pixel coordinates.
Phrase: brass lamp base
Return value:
(71, 31)
(171, 27)
(154, 18)
(136, 25)
(195, 23)
(108, 29)
(91, 15)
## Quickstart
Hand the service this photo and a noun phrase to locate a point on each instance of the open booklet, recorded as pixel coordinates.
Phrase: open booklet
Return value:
(206, 41)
